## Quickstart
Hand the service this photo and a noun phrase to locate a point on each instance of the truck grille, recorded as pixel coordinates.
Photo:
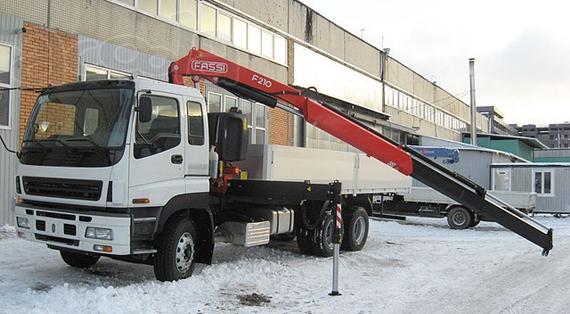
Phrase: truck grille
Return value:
(69, 229)
(63, 188)
(40, 225)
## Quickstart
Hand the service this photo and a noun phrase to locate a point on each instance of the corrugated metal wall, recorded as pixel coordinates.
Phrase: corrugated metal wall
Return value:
(521, 179)
(472, 164)
(97, 52)
(10, 34)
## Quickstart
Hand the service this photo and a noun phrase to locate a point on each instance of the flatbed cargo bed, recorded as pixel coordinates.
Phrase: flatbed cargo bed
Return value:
(358, 173)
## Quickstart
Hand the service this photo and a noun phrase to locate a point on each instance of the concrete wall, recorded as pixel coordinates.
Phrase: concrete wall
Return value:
(311, 27)
(422, 126)
(34, 11)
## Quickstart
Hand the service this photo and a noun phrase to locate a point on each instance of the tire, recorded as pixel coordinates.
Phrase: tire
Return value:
(175, 259)
(475, 221)
(78, 260)
(318, 242)
(459, 218)
(305, 242)
(356, 227)
(322, 244)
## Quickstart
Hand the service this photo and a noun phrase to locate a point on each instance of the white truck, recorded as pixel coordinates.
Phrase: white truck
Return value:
(425, 202)
(136, 170)
(472, 162)
(95, 180)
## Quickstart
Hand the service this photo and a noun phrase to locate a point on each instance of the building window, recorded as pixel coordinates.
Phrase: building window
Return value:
(230, 102)
(267, 44)
(168, 9)
(188, 13)
(207, 20)
(245, 107)
(93, 73)
(214, 102)
(148, 6)
(256, 114)
(543, 182)
(128, 2)
(240, 33)
(260, 124)
(5, 82)
(280, 51)
(217, 23)
(254, 39)
(224, 27)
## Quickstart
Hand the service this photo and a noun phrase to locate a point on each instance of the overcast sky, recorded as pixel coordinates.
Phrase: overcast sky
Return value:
(522, 48)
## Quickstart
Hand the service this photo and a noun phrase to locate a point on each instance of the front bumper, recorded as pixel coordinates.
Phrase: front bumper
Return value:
(66, 230)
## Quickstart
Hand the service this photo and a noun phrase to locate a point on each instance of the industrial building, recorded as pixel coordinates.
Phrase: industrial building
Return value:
(50, 42)
(555, 135)
(495, 120)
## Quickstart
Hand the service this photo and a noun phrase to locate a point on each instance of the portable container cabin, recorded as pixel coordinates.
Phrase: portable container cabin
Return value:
(550, 182)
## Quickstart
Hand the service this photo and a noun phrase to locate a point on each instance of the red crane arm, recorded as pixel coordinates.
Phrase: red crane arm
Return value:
(220, 71)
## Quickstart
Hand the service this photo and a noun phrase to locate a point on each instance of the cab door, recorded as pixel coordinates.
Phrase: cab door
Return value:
(156, 168)
(197, 148)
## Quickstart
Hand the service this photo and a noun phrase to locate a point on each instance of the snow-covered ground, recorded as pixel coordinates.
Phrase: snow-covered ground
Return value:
(417, 266)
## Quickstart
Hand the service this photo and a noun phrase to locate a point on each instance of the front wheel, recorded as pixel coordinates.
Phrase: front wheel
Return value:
(175, 259)
(78, 260)
(459, 218)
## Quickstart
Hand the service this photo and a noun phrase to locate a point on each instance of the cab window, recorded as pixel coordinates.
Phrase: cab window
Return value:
(195, 123)
(162, 132)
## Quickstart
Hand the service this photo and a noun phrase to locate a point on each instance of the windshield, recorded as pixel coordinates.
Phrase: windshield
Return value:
(78, 128)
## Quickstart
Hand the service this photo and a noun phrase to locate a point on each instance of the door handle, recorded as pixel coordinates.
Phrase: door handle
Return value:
(176, 159)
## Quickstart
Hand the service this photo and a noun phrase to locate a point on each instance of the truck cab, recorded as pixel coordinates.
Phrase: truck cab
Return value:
(94, 176)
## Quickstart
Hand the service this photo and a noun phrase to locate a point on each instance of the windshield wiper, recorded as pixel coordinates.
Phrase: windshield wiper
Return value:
(34, 141)
(84, 139)
(40, 142)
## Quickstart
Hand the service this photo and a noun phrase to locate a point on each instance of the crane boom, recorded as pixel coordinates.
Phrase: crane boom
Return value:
(255, 86)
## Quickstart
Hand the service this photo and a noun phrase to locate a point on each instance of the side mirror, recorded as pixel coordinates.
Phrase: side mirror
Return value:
(145, 109)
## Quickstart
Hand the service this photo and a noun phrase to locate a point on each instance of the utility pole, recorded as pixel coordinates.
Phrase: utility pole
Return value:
(473, 104)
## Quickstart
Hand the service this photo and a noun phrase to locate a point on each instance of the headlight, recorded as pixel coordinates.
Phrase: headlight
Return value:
(99, 233)
(23, 222)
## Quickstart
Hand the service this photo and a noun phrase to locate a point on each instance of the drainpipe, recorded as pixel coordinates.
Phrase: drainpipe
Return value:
(473, 104)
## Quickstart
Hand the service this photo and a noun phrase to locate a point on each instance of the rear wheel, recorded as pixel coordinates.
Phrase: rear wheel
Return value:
(305, 242)
(356, 229)
(318, 242)
(323, 239)
(459, 218)
(78, 260)
(176, 251)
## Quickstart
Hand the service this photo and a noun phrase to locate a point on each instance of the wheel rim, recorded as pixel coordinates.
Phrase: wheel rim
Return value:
(359, 230)
(184, 252)
(459, 218)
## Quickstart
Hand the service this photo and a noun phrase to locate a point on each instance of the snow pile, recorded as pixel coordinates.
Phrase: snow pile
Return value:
(7, 232)
(415, 266)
